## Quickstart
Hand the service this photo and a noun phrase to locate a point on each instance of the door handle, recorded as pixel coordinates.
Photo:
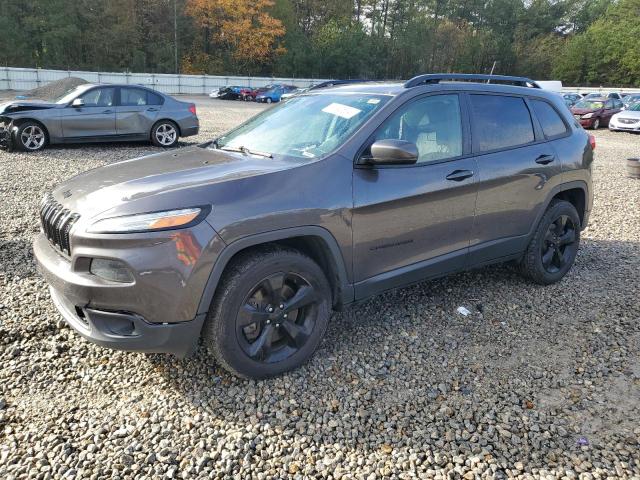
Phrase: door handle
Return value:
(544, 159)
(108, 111)
(152, 109)
(459, 175)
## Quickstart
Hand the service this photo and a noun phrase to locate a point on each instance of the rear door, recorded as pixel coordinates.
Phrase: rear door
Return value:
(137, 112)
(96, 118)
(414, 221)
(517, 167)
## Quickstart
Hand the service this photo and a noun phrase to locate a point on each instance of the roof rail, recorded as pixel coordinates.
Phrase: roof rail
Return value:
(434, 78)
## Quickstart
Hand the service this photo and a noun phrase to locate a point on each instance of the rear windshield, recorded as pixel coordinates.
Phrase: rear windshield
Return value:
(306, 126)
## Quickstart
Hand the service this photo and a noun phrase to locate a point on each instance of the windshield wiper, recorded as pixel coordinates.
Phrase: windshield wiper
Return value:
(246, 151)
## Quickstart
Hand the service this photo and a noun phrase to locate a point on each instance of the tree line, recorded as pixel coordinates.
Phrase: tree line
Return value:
(582, 42)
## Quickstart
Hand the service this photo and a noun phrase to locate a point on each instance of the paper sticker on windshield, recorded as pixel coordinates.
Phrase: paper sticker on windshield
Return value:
(373, 101)
(340, 110)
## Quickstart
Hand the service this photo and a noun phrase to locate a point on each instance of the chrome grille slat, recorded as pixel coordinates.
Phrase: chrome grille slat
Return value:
(56, 222)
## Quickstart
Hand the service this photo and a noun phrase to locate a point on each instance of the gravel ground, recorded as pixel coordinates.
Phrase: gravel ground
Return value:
(536, 382)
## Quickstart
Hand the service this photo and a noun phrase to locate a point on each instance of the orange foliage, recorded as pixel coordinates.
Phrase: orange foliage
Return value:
(243, 26)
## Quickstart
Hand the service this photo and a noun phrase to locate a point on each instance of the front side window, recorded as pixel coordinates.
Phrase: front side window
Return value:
(552, 124)
(432, 123)
(307, 126)
(99, 97)
(500, 122)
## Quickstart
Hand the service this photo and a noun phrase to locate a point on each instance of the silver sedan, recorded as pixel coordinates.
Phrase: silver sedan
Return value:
(97, 113)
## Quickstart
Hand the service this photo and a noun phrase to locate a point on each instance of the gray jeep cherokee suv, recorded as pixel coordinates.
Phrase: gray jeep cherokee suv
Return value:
(250, 240)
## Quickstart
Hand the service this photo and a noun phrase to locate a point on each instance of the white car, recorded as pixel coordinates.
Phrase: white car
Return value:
(214, 93)
(627, 120)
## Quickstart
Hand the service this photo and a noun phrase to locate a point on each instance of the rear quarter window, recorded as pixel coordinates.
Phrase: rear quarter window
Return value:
(549, 118)
(500, 122)
(154, 99)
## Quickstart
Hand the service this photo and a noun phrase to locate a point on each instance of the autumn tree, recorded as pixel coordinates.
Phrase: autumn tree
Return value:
(233, 32)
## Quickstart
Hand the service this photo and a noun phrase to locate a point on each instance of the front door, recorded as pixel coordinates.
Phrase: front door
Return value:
(137, 112)
(412, 222)
(96, 118)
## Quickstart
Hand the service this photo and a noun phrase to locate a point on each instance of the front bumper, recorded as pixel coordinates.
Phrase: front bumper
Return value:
(6, 139)
(127, 331)
(624, 127)
(586, 122)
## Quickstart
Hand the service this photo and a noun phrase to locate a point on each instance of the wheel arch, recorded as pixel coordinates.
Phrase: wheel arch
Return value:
(316, 242)
(17, 122)
(577, 196)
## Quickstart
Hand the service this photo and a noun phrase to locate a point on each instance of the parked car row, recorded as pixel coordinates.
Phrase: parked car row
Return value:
(571, 98)
(272, 93)
(268, 94)
(595, 112)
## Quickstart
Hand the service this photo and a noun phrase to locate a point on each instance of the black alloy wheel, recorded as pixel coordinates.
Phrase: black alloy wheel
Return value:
(558, 245)
(554, 244)
(269, 313)
(277, 317)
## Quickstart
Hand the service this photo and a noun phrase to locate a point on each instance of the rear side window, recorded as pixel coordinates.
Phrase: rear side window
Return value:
(500, 122)
(133, 97)
(153, 99)
(552, 124)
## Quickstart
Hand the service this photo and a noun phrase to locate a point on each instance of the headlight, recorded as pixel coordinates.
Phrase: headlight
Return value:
(149, 222)
(587, 115)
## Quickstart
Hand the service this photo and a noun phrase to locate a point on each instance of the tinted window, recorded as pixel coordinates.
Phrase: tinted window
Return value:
(551, 122)
(501, 122)
(432, 123)
(617, 104)
(99, 97)
(154, 99)
(608, 104)
(133, 97)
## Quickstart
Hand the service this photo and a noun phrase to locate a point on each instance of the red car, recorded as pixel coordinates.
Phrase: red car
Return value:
(595, 112)
(249, 94)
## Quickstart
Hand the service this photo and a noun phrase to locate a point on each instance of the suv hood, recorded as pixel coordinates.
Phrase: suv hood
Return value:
(14, 107)
(104, 188)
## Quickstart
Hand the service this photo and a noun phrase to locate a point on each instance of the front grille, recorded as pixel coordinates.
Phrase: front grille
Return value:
(56, 223)
(628, 121)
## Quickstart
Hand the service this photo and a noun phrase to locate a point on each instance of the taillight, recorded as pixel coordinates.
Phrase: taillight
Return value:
(192, 108)
(592, 142)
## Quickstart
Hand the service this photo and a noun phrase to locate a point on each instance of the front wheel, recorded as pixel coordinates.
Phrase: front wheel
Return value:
(31, 137)
(270, 313)
(164, 134)
(553, 248)
(268, 100)
(596, 124)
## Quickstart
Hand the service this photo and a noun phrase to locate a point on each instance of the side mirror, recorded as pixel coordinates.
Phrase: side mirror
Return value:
(78, 102)
(392, 152)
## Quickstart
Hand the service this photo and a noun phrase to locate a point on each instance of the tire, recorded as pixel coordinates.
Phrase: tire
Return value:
(553, 248)
(165, 134)
(31, 136)
(268, 100)
(247, 330)
(596, 124)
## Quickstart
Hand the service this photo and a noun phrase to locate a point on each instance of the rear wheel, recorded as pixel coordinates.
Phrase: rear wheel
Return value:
(270, 313)
(268, 100)
(553, 248)
(31, 137)
(164, 134)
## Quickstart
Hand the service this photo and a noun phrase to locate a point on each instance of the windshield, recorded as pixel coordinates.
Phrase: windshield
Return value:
(590, 104)
(635, 107)
(69, 94)
(306, 126)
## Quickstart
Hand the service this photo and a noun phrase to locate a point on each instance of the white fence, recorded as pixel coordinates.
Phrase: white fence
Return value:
(28, 78)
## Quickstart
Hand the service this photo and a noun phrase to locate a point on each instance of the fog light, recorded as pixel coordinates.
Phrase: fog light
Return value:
(113, 270)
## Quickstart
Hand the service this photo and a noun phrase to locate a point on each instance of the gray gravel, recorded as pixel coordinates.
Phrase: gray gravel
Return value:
(537, 382)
